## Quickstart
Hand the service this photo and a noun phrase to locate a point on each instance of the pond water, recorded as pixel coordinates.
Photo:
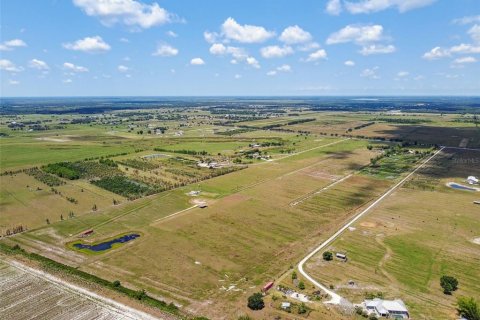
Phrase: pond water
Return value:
(107, 244)
(460, 187)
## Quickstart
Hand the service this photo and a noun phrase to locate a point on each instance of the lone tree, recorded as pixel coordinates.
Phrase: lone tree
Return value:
(327, 256)
(294, 275)
(301, 285)
(255, 301)
(468, 308)
(449, 284)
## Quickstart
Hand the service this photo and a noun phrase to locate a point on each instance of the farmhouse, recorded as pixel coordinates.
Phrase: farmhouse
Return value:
(387, 308)
(472, 180)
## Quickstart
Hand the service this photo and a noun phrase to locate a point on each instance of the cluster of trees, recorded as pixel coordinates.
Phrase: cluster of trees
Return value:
(108, 156)
(108, 162)
(63, 170)
(123, 186)
(15, 230)
(184, 151)
(403, 121)
(361, 126)
(235, 131)
(83, 169)
(46, 178)
(72, 200)
(289, 123)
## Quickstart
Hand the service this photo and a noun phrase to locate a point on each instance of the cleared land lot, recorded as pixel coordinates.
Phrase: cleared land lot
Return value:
(403, 247)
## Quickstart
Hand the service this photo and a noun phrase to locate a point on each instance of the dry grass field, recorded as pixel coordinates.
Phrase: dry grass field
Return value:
(403, 247)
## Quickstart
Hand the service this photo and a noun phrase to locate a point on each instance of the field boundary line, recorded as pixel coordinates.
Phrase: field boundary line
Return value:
(173, 214)
(311, 194)
(336, 298)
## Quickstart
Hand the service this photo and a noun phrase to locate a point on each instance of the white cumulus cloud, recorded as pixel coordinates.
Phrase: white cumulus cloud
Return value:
(218, 49)
(12, 44)
(295, 34)
(317, 55)
(370, 73)
(276, 51)
(463, 48)
(467, 20)
(9, 66)
(232, 30)
(463, 60)
(197, 62)
(171, 33)
(358, 34)
(88, 44)
(38, 64)
(436, 53)
(253, 62)
(129, 12)
(13, 82)
(282, 68)
(369, 6)
(123, 68)
(165, 50)
(349, 63)
(474, 33)
(377, 49)
(74, 68)
(238, 54)
(334, 7)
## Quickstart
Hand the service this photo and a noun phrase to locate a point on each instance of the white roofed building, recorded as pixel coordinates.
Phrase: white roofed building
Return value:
(472, 180)
(394, 309)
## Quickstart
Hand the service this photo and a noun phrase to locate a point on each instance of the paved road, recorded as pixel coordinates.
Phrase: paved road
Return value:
(335, 298)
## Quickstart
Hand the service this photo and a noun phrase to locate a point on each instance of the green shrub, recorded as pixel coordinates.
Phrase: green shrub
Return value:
(449, 284)
(255, 301)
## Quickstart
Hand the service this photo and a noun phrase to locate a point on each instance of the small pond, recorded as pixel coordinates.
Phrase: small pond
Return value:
(107, 244)
(460, 187)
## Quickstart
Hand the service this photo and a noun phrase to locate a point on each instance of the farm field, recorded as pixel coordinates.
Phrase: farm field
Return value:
(222, 203)
(27, 295)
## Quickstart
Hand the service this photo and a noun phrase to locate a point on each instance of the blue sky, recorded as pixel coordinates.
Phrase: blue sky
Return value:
(261, 47)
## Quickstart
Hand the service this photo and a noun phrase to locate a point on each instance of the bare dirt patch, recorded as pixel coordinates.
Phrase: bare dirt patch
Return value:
(367, 224)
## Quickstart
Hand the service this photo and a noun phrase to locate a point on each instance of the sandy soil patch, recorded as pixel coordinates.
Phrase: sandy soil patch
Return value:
(198, 201)
(55, 139)
(369, 224)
